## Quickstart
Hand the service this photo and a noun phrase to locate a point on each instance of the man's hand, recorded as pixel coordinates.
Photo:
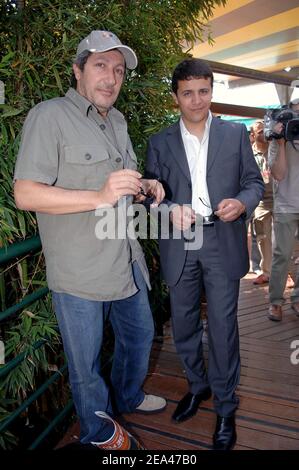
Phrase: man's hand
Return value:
(118, 184)
(230, 210)
(278, 128)
(151, 188)
(182, 217)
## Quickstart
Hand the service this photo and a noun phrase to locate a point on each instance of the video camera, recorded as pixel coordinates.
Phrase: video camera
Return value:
(289, 119)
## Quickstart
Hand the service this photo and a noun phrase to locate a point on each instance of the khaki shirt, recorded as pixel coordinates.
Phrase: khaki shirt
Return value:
(262, 160)
(66, 143)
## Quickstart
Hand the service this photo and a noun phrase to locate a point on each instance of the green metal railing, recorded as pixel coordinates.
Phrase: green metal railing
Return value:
(28, 300)
(8, 254)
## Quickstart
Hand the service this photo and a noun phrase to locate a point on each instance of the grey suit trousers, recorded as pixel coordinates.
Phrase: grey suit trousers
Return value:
(202, 267)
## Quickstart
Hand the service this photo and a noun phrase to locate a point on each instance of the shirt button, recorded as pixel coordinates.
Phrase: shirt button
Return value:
(102, 126)
(87, 156)
(118, 160)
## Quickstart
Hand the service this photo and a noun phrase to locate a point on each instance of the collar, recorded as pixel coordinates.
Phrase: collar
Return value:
(81, 102)
(185, 131)
(258, 152)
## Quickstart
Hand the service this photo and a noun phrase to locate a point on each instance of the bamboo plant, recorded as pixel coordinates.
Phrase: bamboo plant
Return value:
(37, 42)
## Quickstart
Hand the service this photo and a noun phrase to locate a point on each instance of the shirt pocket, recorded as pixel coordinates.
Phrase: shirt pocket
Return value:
(84, 167)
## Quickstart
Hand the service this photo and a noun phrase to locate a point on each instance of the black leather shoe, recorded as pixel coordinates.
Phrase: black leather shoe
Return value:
(225, 433)
(189, 404)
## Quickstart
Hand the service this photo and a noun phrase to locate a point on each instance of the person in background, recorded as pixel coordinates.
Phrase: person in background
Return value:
(284, 166)
(75, 158)
(253, 251)
(210, 177)
(262, 218)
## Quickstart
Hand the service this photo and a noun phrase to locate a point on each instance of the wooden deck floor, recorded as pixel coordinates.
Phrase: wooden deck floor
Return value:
(268, 414)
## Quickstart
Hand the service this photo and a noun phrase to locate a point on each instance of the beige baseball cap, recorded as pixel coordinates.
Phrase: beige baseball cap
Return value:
(103, 41)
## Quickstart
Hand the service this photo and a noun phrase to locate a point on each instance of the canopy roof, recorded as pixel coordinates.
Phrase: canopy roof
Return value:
(257, 34)
(254, 42)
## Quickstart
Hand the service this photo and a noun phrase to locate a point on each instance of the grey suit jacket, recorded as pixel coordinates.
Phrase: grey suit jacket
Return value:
(231, 173)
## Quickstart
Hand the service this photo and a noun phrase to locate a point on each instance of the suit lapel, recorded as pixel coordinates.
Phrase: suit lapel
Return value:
(215, 140)
(177, 149)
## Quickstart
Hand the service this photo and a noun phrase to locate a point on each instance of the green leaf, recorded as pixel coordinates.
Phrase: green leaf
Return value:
(10, 111)
(58, 81)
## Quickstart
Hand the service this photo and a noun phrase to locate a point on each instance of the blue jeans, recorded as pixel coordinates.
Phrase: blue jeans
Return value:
(81, 325)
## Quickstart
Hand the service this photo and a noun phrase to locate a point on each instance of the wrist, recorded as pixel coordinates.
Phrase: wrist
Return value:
(242, 209)
(100, 200)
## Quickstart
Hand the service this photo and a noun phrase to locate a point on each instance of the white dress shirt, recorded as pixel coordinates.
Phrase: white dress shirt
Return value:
(197, 155)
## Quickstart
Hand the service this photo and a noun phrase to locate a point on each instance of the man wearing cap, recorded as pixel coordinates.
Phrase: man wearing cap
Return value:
(284, 164)
(76, 157)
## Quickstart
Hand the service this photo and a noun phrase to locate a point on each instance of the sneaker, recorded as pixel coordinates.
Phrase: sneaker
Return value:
(151, 404)
(275, 312)
(121, 439)
(261, 279)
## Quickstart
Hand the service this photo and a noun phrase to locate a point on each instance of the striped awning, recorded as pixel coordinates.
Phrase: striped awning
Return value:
(257, 34)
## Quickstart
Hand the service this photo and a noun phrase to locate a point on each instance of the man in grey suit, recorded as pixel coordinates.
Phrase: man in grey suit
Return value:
(209, 173)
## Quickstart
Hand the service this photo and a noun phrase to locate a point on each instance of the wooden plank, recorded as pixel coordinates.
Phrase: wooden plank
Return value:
(229, 69)
(280, 384)
(268, 413)
(174, 389)
(199, 429)
(279, 327)
(267, 343)
(266, 328)
(257, 361)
